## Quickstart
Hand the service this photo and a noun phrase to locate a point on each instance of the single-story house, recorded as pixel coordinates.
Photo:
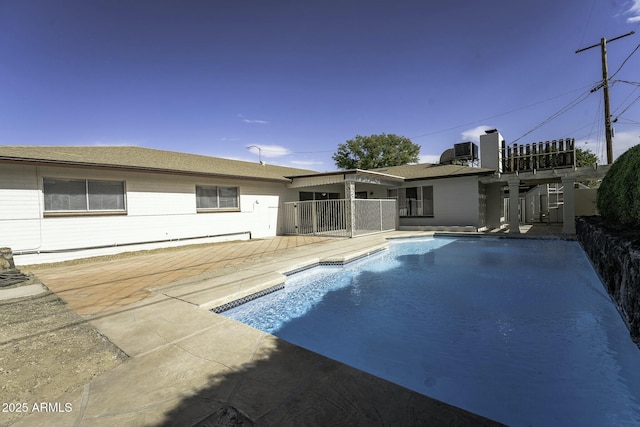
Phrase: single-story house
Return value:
(64, 202)
(64, 199)
(434, 195)
(76, 199)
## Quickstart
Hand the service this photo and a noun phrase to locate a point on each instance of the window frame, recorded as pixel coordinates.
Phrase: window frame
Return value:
(87, 210)
(217, 208)
(420, 193)
(427, 202)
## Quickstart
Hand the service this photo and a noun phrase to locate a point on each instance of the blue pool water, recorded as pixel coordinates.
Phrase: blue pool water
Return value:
(519, 331)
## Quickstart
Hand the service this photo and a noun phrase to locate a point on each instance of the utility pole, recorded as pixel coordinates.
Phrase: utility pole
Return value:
(605, 91)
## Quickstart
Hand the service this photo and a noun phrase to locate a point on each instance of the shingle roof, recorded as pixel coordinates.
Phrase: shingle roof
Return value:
(139, 158)
(150, 159)
(428, 170)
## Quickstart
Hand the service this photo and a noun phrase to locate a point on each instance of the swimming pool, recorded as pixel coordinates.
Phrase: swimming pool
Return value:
(520, 331)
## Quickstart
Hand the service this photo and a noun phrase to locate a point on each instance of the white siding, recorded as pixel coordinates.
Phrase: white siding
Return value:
(17, 196)
(159, 207)
(20, 221)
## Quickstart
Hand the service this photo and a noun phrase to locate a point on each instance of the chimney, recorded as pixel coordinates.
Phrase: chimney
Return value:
(491, 150)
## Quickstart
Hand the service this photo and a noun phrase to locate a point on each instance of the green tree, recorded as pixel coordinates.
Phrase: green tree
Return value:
(585, 157)
(619, 193)
(376, 151)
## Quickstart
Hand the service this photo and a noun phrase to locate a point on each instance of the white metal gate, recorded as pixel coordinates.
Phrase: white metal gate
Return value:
(341, 217)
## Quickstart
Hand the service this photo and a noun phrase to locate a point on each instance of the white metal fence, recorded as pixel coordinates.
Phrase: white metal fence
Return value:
(336, 218)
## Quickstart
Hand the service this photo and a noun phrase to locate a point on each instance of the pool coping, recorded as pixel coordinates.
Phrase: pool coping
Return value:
(569, 237)
(188, 365)
(224, 291)
(271, 283)
(331, 261)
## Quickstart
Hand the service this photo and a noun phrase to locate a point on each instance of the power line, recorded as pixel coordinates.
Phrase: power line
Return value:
(605, 90)
(628, 106)
(627, 82)
(592, 125)
(499, 114)
(557, 114)
(625, 61)
(625, 100)
(596, 131)
(629, 122)
(586, 25)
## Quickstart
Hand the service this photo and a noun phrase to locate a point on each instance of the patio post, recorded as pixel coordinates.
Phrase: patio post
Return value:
(350, 196)
(569, 206)
(494, 205)
(514, 205)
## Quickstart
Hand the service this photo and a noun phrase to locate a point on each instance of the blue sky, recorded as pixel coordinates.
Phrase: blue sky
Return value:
(298, 78)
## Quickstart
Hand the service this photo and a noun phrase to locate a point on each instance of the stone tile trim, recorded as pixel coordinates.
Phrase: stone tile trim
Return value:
(238, 302)
(243, 300)
(301, 269)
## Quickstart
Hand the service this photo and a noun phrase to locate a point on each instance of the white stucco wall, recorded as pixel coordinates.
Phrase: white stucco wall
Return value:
(586, 201)
(494, 205)
(533, 203)
(159, 207)
(456, 202)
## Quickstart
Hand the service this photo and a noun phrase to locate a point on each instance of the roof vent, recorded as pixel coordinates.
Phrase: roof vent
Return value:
(447, 157)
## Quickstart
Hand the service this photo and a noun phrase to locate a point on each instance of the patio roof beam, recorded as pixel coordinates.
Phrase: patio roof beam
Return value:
(339, 177)
(553, 175)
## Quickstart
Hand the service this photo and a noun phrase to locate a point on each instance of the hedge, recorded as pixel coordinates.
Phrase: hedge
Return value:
(619, 192)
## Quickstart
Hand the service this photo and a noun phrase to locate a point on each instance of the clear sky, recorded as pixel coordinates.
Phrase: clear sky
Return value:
(297, 78)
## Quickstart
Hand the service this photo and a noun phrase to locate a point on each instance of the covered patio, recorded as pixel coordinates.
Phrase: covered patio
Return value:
(566, 177)
(527, 165)
(342, 204)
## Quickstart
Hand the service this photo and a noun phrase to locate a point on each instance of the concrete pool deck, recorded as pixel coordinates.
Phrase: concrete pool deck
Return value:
(189, 366)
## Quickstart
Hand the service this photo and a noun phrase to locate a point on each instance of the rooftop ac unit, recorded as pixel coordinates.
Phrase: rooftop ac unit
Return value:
(465, 151)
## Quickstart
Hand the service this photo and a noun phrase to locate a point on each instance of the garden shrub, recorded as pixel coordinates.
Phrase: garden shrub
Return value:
(619, 192)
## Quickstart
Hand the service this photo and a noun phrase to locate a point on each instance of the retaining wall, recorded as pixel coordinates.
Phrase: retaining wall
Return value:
(615, 254)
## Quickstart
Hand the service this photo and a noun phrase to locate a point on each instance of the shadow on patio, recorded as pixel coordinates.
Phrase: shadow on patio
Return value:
(288, 385)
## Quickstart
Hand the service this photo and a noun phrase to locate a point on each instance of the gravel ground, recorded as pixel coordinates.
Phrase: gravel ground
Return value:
(46, 349)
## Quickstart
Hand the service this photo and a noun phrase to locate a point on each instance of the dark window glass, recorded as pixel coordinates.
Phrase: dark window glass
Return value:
(106, 195)
(83, 195)
(207, 197)
(228, 197)
(65, 195)
(217, 198)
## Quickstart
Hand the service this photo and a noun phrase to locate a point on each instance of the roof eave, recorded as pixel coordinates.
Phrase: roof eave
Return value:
(474, 173)
(66, 163)
(349, 172)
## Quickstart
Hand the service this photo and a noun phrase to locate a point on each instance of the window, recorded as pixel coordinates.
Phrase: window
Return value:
(83, 195)
(417, 201)
(427, 200)
(216, 198)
